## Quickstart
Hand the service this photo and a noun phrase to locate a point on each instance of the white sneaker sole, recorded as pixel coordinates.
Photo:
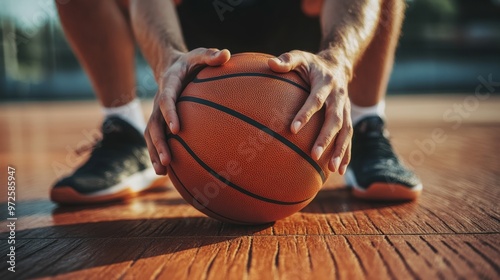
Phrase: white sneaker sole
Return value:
(129, 187)
(382, 191)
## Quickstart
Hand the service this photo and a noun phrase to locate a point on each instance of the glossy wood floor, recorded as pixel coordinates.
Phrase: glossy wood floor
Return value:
(451, 232)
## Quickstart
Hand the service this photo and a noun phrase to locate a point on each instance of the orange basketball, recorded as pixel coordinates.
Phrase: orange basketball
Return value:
(235, 158)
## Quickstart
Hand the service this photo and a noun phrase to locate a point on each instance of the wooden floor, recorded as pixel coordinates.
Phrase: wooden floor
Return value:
(451, 232)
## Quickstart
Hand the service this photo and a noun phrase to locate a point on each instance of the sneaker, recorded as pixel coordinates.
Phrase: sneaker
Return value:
(375, 172)
(118, 167)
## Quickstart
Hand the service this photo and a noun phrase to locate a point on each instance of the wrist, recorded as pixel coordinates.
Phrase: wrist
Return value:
(169, 56)
(339, 60)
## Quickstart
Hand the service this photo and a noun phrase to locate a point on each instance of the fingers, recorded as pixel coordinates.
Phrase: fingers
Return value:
(166, 101)
(342, 152)
(288, 61)
(155, 136)
(219, 58)
(165, 113)
(319, 93)
(155, 160)
(331, 127)
(345, 160)
(312, 69)
(171, 83)
(328, 88)
(332, 165)
(211, 57)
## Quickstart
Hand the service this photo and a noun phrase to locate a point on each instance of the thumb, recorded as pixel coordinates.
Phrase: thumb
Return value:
(217, 58)
(286, 62)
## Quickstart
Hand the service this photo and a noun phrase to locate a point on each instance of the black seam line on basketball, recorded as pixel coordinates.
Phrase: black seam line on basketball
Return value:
(258, 125)
(190, 194)
(226, 181)
(197, 80)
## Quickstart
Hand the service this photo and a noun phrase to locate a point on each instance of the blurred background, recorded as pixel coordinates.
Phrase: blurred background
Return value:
(446, 45)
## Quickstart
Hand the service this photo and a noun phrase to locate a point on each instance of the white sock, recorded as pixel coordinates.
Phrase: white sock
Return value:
(130, 112)
(358, 113)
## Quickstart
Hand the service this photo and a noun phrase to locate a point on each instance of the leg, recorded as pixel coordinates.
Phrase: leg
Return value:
(101, 37)
(375, 172)
(372, 71)
(119, 167)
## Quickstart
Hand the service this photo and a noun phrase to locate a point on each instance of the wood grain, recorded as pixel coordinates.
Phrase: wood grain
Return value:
(451, 232)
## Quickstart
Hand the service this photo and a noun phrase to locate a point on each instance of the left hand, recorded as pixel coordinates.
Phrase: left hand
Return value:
(328, 81)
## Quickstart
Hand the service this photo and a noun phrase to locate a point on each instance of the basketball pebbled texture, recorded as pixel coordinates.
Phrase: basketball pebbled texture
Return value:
(235, 158)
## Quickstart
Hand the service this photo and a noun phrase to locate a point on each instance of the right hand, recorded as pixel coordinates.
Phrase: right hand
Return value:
(170, 83)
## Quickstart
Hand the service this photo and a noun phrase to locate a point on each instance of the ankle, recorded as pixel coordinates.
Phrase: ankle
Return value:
(130, 112)
(359, 112)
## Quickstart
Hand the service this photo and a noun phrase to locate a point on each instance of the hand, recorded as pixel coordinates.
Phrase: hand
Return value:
(329, 88)
(164, 112)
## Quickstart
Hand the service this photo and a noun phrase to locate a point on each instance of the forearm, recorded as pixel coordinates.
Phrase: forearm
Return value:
(157, 31)
(347, 28)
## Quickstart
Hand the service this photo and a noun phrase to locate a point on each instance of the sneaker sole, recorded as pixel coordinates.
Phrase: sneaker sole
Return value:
(383, 191)
(130, 187)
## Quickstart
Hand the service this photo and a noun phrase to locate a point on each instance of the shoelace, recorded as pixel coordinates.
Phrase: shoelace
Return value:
(377, 146)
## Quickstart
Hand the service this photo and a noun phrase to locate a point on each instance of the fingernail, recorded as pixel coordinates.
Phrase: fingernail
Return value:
(296, 126)
(170, 125)
(155, 166)
(277, 60)
(343, 169)
(336, 162)
(162, 158)
(318, 151)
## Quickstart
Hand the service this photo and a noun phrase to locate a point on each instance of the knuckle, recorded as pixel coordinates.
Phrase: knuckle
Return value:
(210, 51)
(157, 141)
(337, 118)
(286, 57)
(153, 121)
(343, 150)
(328, 78)
(197, 51)
(341, 91)
(327, 138)
(350, 129)
(319, 100)
(336, 125)
(340, 149)
(304, 117)
(170, 111)
(161, 102)
(167, 102)
(193, 57)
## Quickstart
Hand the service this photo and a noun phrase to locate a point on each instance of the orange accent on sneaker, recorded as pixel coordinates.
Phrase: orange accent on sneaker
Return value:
(387, 192)
(67, 195)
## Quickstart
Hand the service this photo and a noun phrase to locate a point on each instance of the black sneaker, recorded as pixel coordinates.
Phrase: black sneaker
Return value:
(118, 167)
(375, 172)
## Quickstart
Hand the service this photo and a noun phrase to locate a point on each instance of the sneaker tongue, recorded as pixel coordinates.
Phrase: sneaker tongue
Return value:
(371, 127)
(116, 128)
(111, 125)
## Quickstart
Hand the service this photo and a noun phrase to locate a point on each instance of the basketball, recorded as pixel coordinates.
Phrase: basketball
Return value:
(235, 158)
